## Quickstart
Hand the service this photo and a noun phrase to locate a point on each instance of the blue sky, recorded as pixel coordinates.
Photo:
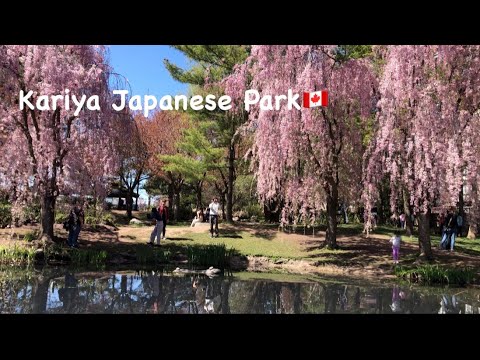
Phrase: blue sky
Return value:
(143, 67)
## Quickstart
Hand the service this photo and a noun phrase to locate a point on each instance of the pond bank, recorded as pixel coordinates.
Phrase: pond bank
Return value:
(253, 247)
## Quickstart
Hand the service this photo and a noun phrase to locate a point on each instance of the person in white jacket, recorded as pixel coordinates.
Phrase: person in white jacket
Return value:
(214, 206)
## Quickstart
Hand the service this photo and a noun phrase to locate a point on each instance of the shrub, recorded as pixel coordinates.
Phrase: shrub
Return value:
(5, 215)
(433, 274)
(216, 255)
(91, 220)
(146, 255)
(16, 255)
(86, 257)
(30, 236)
(241, 214)
(60, 217)
(31, 213)
(108, 219)
(254, 210)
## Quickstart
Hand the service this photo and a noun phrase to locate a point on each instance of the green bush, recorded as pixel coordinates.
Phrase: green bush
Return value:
(31, 213)
(108, 219)
(216, 255)
(146, 255)
(87, 257)
(5, 215)
(30, 236)
(91, 220)
(254, 210)
(16, 255)
(60, 217)
(433, 274)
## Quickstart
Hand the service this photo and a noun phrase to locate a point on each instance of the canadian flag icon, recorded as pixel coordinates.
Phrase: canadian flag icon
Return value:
(315, 98)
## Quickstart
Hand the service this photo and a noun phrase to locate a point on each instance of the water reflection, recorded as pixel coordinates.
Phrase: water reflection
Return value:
(155, 292)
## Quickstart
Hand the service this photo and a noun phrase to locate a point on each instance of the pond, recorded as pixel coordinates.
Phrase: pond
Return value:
(62, 291)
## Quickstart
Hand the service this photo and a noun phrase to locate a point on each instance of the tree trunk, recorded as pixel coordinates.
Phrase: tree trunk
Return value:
(136, 199)
(223, 207)
(199, 195)
(272, 211)
(473, 215)
(176, 209)
(47, 216)
(424, 235)
(231, 179)
(408, 214)
(461, 210)
(332, 206)
(171, 195)
(129, 202)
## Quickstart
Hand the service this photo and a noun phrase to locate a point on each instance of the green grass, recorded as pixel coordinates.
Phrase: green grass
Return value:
(433, 274)
(146, 255)
(216, 255)
(16, 255)
(30, 236)
(89, 258)
(245, 243)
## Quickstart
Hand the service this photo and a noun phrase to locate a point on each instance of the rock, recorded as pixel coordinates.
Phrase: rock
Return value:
(211, 271)
(136, 222)
(235, 218)
(280, 261)
(46, 240)
(239, 262)
(39, 255)
(253, 219)
(200, 224)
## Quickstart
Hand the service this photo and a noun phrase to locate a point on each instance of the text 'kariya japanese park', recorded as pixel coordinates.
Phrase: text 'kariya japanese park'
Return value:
(149, 103)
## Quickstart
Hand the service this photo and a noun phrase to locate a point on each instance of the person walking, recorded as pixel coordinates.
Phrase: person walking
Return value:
(396, 240)
(214, 206)
(157, 230)
(163, 211)
(76, 219)
(450, 231)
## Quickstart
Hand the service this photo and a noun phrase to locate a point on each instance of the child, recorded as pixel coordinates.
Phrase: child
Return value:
(395, 240)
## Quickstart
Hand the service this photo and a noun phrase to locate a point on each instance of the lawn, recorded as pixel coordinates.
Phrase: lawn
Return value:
(245, 241)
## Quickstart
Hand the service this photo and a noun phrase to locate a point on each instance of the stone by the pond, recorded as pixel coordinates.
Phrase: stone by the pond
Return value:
(39, 254)
(211, 271)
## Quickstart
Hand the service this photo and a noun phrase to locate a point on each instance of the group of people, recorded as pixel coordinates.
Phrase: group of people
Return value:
(451, 226)
(210, 215)
(76, 219)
